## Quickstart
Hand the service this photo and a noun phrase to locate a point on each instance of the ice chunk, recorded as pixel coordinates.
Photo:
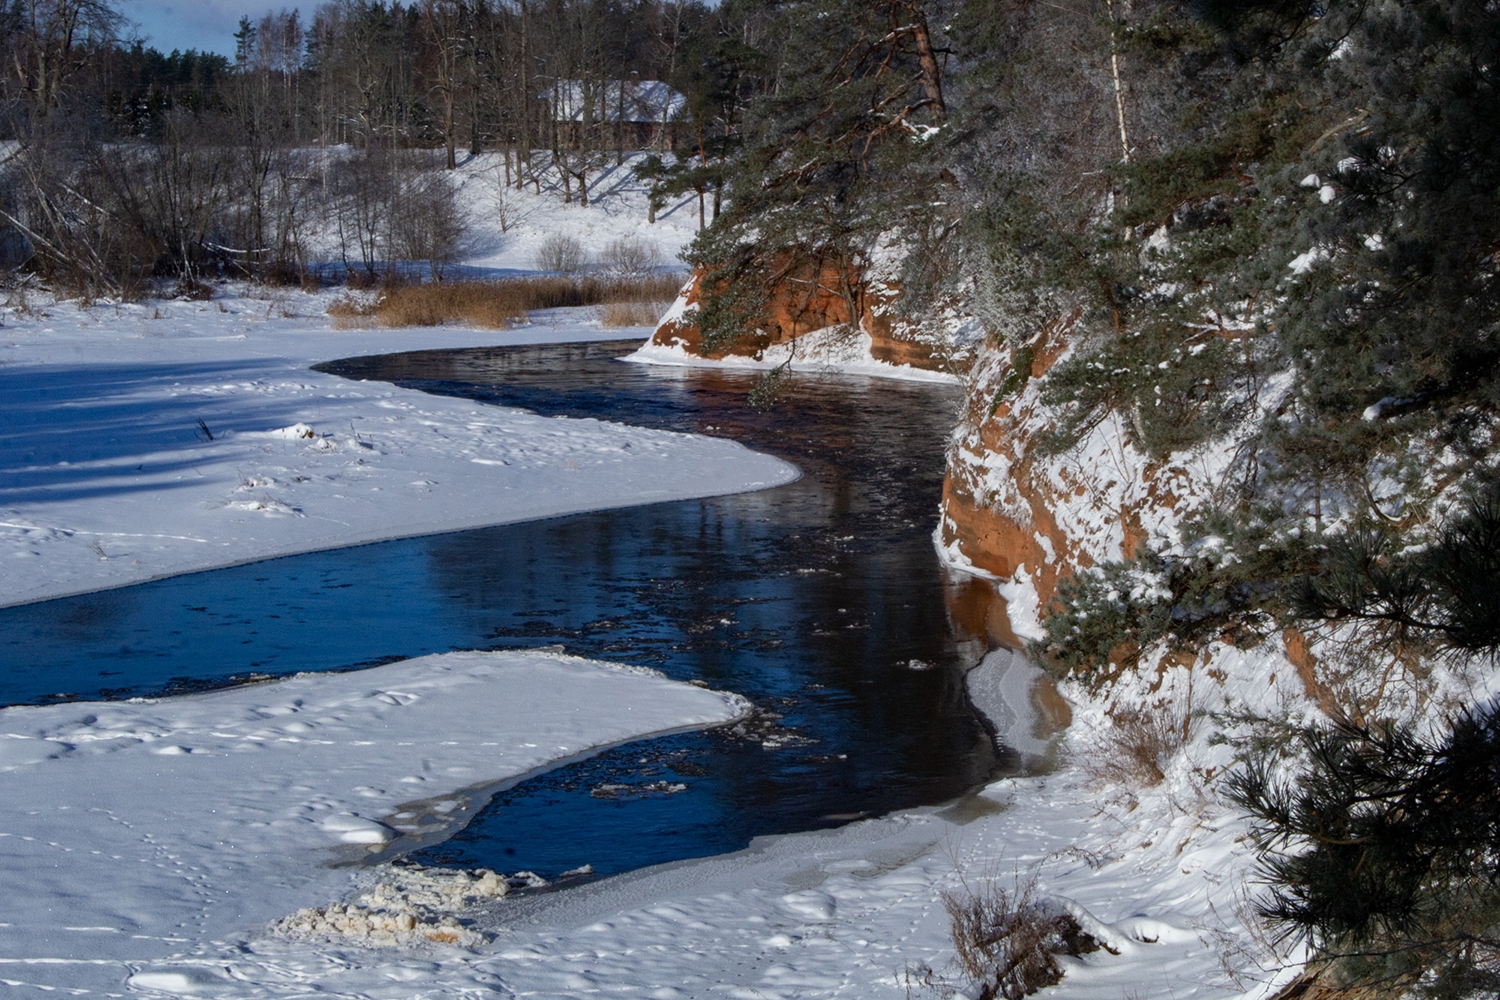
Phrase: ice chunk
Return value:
(351, 829)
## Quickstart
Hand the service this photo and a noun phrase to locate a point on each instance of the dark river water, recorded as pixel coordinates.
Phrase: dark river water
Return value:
(821, 601)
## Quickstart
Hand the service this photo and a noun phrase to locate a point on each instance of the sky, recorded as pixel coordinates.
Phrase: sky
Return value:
(205, 25)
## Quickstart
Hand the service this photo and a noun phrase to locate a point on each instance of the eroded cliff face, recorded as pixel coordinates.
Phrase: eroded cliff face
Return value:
(804, 302)
(1010, 509)
(1030, 516)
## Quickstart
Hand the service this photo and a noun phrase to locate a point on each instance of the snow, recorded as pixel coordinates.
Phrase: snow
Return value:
(108, 478)
(617, 208)
(172, 870)
(128, 829)
(836, 350)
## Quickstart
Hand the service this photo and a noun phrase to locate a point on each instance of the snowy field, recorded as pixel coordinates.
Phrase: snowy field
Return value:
(107, 476)
(133, 829)
(208, 845)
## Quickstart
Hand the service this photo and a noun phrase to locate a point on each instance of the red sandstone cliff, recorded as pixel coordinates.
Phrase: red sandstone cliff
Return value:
(1027, 516)
(802, 302)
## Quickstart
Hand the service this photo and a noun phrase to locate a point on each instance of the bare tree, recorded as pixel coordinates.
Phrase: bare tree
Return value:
(443, 26)
(55, 41)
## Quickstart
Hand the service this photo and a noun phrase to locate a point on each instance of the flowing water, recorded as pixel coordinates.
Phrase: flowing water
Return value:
(821, 601)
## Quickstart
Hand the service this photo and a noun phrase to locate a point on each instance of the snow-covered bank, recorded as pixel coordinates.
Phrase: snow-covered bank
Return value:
(845, 912)
(108, 475)
(828, 352)
(132, 830)
(1155, 871)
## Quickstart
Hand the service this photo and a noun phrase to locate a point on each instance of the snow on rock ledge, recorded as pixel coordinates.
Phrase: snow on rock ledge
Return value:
(809, 322)
(1031, 519)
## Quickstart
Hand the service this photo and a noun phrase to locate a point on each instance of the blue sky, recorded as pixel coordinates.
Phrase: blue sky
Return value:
(195, 24)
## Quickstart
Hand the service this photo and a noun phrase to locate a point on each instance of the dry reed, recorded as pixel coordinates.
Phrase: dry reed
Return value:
(500, 304)
(632, 313)
(1007, 943)
(1137, 746)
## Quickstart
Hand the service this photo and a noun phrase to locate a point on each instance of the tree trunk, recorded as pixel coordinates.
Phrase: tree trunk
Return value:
(448, 132)
(1114, 69)
(931, 73)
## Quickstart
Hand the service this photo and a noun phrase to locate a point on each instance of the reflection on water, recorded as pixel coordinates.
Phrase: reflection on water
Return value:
(821, 601)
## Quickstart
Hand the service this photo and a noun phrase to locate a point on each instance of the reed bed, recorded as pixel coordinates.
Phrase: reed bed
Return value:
(632, 313)
(501, 303)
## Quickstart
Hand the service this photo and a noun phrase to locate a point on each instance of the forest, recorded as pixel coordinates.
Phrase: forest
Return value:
(130, 167)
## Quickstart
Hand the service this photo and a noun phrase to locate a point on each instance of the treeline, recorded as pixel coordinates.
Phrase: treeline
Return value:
(128, 166)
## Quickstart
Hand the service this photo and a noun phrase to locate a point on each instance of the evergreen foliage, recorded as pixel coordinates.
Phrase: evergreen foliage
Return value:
(826, 155)
(1384, 852)
(1449, 590)
(1104, 619)
(1272, 229)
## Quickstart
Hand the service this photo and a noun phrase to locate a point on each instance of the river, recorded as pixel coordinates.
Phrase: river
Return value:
(821, 601)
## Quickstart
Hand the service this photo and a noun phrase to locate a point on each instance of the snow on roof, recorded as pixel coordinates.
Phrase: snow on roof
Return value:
(644, 101)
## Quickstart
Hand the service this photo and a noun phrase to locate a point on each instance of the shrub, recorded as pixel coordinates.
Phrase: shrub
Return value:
(1135, 748)
(631, 256)
(426, 221)
(1007, 943)
(632, 313)
(560, 254)
(348, 313)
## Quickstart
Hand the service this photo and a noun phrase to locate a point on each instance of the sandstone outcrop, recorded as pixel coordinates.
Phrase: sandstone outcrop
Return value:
(1015, 510)
(1010, 509)
(803, 302)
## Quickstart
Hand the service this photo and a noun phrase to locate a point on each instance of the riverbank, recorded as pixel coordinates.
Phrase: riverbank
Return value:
(855, 911)
(131, 831)
(146, 440)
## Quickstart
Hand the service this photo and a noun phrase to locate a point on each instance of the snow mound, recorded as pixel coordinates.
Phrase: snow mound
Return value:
(267, 505)
(411, 905)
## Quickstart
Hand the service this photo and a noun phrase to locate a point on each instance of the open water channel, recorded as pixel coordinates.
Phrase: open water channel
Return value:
(821, 601)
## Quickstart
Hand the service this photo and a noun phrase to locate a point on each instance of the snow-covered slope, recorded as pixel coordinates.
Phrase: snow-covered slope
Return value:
(507, 226)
